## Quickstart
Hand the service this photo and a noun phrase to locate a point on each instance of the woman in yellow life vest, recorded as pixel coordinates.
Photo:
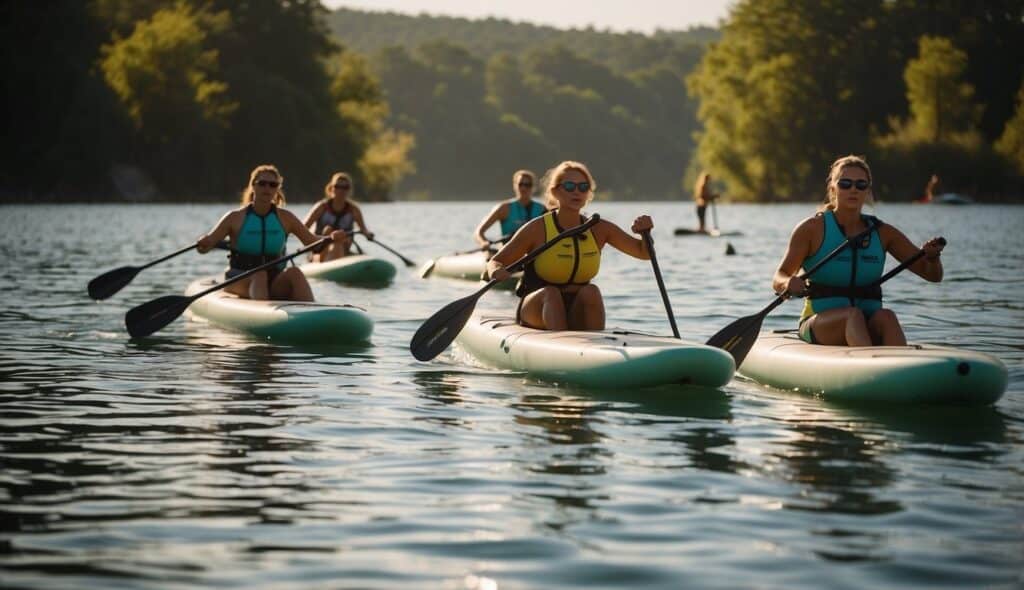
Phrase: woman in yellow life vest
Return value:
(555, 291)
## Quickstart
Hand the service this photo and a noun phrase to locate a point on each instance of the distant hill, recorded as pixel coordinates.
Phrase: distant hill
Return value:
(368, 32)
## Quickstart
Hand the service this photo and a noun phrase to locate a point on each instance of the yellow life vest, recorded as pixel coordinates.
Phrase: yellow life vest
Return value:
(571, 261)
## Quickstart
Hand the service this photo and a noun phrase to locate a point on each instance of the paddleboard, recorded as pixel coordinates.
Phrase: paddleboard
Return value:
(354, 269)
(913, 374)
(294, 321)
(468, 266)
(711, 233)
(604, 359)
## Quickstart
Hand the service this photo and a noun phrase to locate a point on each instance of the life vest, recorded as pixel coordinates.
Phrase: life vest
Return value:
(848, 279)
(570, 261)
(260, 240)
(343, 221)
(518, 215)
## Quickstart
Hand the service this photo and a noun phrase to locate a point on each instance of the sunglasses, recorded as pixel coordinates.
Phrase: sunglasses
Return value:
(343, 186)
(270, 183)
(569, 186)
(526, 184)
(846, 183)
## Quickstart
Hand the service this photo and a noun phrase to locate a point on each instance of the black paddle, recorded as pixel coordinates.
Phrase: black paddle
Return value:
(903, 265)
(661, 283)
(113, 281)
(143, 320)
(429, 267)
(405, 260)
(739, 336)
(441, 328)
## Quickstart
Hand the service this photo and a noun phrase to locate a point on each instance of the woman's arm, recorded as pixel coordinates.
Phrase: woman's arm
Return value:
(607, 232)
(786, 279)
(929, 267)
(526, 239)
(220, 231)
(498, 213)
(314, 214)
(357, 215)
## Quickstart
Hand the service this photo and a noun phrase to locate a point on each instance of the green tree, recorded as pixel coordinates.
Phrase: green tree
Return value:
(1011, 143)
(941, 103)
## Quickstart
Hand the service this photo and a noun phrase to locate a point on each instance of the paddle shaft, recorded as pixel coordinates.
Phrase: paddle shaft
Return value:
(661, 283)
(714, 214)
(903, 265)
(257, 269)
(405, 260)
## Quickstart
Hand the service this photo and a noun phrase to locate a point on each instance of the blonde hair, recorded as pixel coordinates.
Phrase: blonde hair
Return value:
(519, 174)
(834, 172)
(554, 176)
(248, 191)
(328, 189)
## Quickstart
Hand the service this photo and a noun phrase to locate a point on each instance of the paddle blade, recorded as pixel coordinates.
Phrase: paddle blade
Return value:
(441, 328)
(427, 269)
(151, 316)
(111, 282)
(738, 337)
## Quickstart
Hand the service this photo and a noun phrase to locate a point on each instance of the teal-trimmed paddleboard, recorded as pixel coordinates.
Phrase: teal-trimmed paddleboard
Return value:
(914, 374)
(596, 359)
(358, 269)
(469, 266)
(292, 321)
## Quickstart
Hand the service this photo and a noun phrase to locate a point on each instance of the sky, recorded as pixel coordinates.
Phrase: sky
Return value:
(643, 16)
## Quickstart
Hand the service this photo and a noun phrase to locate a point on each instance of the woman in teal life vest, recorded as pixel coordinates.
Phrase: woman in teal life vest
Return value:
(844, 305)
(512, 213)
(555, 291)
(336, 211)
(257, 232)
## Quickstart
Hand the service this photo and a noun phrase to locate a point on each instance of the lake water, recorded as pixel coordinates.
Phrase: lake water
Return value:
(203, 458)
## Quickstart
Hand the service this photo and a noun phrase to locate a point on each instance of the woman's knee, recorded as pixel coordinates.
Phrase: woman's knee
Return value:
(884, 317)
(589, 295)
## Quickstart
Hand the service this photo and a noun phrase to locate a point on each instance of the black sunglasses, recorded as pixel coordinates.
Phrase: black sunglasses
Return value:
(526, 183)
(570, 186)
(846, 183)
(343, 186)
(270, 183)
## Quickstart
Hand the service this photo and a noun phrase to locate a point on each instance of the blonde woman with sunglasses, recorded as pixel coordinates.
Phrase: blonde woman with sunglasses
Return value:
(336, 211)
(513, 213)
(843, 306)
(556, 292)
(257, 232)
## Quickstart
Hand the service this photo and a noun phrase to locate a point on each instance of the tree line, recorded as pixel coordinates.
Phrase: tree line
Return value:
(180, 99)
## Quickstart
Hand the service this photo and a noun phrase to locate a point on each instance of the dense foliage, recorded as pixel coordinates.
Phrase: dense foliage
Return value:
(150, 98)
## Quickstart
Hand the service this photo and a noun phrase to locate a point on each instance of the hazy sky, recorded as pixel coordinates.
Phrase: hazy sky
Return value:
(618, 15)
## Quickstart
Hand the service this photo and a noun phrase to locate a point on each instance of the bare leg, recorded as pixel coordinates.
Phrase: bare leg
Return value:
(587, 312)
(241, 288)
(291, 285)
(885, 329)
(544, 309)
(844, 326)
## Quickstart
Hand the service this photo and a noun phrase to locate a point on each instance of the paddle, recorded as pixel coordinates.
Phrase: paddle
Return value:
(113, 281)
(661, 283)
(143, 320)
(714, 214)
(441, 328)
(429, 267)
(739, 336)
(903, 265)
(374, 240)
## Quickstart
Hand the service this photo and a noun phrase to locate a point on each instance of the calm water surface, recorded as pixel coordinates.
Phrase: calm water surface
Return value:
(203, 458)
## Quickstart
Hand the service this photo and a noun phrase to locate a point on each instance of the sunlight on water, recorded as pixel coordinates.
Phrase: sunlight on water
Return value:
(206, 457)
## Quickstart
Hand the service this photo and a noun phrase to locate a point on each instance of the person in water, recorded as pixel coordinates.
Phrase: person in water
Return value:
(929, 190)
(257, 232)
(336, 212)
(702, 195)
(555, 290)
(844, 305)
(512, 213)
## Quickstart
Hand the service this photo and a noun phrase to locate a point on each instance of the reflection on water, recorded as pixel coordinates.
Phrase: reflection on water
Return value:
(207, 458)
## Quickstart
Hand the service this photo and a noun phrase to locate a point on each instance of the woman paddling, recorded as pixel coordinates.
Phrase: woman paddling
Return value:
(258, 232)
(336, 211)
(512, 213)
(555, 291)
(844, 307)
(702, 195)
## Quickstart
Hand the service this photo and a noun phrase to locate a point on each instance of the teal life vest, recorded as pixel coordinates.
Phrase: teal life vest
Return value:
(260, 240)
(848, 279)
(518, 215)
